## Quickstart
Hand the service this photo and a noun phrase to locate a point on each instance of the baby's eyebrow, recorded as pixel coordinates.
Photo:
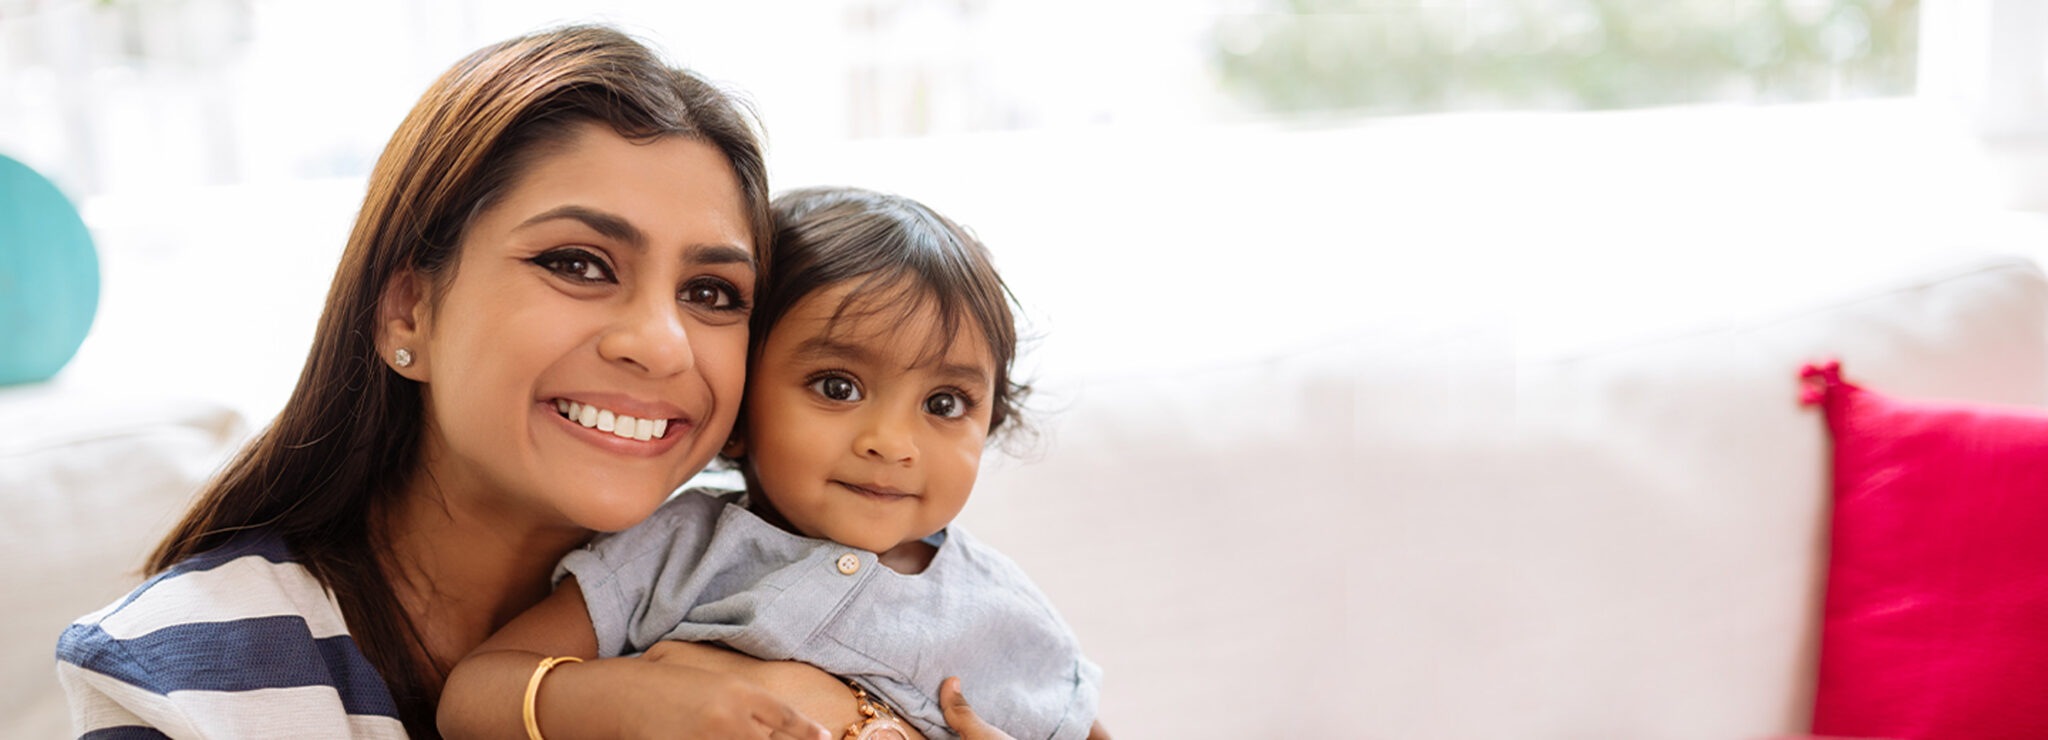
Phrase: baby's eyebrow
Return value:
(964, 373)
(827, 348)
(822, 348)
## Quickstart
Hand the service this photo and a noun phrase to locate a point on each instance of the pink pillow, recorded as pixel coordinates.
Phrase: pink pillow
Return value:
(1936, 623)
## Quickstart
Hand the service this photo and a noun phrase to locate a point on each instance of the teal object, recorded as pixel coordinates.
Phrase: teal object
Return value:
(49, 276)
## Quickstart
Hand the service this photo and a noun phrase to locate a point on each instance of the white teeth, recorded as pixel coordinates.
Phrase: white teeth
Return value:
(625, 427)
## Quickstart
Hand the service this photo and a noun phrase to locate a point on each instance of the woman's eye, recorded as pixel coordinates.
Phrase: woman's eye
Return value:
(711, 294)
(836, 388)
(945, 405)
(575, 264)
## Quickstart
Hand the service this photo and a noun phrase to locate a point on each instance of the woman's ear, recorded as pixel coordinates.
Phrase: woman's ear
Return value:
(402, 325)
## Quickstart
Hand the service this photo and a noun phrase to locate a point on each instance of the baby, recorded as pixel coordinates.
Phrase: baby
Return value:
(879, 366)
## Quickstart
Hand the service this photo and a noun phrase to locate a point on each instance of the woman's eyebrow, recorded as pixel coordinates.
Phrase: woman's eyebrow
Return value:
(618, 228)
(612, 225)
(718, 254)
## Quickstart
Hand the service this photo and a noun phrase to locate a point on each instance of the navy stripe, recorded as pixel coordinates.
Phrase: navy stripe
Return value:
(267, 545)
(126, 732)
(242, 655)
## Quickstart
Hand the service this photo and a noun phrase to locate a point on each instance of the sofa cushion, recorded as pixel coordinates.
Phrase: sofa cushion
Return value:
(89, 484)
(1439, 536)
(1936, 594)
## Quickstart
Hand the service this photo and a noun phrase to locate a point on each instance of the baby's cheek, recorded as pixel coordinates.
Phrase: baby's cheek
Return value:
(970, 452)
(958, 476)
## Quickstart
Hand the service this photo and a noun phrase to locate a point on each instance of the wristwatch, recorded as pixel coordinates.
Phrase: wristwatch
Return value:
(877, 721)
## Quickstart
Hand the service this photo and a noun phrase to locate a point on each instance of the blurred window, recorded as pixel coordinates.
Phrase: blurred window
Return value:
(140, 95)
(1377, 56)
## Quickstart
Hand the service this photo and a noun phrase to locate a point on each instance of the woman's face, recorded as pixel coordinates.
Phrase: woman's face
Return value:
(588, 354)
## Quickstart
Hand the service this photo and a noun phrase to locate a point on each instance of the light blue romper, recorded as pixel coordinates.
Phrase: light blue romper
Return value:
(703, 568)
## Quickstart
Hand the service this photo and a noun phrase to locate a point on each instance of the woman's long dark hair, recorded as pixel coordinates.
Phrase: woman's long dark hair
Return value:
(348, 440)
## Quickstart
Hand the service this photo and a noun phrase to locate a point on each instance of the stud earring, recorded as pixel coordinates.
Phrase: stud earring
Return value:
(403, 357)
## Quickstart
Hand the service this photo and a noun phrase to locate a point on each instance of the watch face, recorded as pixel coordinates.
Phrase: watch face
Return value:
(882, 728)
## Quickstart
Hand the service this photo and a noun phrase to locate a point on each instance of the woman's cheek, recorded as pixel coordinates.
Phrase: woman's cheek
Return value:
(729, 383)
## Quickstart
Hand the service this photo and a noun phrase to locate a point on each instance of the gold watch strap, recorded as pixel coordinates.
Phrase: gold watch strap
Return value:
(877, 720)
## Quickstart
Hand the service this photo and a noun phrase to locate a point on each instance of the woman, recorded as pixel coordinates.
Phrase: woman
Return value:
(560, 218)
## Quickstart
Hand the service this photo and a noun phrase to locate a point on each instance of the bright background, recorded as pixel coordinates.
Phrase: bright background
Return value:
(1169, 186)
(1167, 183)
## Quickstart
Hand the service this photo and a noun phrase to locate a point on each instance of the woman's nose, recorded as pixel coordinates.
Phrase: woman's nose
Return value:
(650, 336)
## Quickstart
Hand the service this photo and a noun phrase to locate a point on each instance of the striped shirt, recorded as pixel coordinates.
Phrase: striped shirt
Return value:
(237, 642)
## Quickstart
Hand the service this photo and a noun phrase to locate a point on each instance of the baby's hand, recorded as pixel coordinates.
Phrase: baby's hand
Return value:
(961, 717)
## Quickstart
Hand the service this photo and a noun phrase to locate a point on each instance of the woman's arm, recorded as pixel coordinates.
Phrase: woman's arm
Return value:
(812, 692)
(822, 696)
(616, 697)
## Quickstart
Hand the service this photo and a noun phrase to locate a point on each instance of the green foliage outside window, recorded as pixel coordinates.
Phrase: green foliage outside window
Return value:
(1379, 56)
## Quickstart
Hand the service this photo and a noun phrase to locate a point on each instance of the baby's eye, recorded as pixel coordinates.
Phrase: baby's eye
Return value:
(945, 405)
(837, 388)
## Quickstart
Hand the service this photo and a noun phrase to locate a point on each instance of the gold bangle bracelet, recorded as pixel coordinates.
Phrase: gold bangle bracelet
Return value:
(533, 690)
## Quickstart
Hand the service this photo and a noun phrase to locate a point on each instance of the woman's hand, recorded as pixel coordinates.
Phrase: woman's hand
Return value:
(614, 697)
(680, 701)
(818, 695)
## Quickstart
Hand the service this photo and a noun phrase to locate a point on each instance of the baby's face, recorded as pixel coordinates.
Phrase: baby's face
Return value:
(855, 431)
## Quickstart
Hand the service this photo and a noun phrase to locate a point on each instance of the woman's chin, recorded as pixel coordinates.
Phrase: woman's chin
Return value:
(610, 508)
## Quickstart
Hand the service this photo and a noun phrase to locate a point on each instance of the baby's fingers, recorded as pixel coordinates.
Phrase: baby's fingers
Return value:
(960, 715)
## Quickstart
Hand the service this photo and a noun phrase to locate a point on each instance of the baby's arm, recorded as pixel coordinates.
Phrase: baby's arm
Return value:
(614, 697)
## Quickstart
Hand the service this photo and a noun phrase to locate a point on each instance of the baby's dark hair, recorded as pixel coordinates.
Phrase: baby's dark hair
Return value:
(827, 236)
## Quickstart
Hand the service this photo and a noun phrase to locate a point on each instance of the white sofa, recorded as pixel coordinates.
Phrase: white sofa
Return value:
(1351, 446)
(1363, 542)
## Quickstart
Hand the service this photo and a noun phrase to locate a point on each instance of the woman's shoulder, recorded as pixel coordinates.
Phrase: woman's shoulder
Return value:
(233, 622)
(230, 588)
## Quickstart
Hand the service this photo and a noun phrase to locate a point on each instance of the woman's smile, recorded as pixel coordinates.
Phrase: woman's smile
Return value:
(623, 416)
(648, 438)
